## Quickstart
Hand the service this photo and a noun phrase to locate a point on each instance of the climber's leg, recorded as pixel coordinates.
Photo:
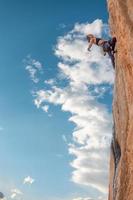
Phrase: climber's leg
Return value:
(112, 43)
(111, 55)
(106, 46)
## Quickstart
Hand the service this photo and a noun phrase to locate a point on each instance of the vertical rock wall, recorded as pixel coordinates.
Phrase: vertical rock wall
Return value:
(121, 162)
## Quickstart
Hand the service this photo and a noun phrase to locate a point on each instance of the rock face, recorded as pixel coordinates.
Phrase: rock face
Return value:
(121, 162)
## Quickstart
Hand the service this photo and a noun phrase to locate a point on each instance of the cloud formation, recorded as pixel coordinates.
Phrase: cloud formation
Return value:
(34, 68)
(45, 108)
(15, 193)
(88, 78)
(28, 180)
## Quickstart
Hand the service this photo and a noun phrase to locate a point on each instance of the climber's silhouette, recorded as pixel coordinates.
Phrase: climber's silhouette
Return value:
(107, 45)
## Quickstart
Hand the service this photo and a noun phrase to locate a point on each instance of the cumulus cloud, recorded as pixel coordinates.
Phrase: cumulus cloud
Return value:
(50, 81)
(45, 108)
(34, 67)
(28, 180)
(15, 193)
(88, 77)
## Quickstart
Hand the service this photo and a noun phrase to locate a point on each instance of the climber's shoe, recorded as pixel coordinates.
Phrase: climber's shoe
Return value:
(112, 43)
(114, 39)
(115, 51)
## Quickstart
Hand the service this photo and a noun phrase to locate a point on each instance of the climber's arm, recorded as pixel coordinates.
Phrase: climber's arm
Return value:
(90, 44)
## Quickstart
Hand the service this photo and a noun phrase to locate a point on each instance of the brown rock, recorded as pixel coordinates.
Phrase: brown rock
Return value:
(121, 163)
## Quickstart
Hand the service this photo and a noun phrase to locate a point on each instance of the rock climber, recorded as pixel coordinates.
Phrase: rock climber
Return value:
(107, 45)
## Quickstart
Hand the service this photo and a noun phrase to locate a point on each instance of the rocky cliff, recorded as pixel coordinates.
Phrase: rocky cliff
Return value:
(121, 162)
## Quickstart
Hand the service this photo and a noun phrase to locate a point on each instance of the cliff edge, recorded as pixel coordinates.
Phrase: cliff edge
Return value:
(121, 162)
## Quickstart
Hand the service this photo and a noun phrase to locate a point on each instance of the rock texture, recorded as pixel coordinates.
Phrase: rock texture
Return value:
(121, 163)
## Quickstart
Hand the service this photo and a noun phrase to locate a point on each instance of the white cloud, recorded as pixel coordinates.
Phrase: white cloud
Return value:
(32, 71)
(45, 108)
(37, 103)
(15, 193)
(34, 67)
(62, 26)
(89, 77)
(50, 81)
(28, 180)
(37, 64)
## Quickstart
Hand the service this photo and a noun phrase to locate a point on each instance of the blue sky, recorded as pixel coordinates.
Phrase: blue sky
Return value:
(44, 68)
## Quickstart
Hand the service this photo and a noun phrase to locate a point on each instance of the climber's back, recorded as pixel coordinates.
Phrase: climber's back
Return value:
(94, 40)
